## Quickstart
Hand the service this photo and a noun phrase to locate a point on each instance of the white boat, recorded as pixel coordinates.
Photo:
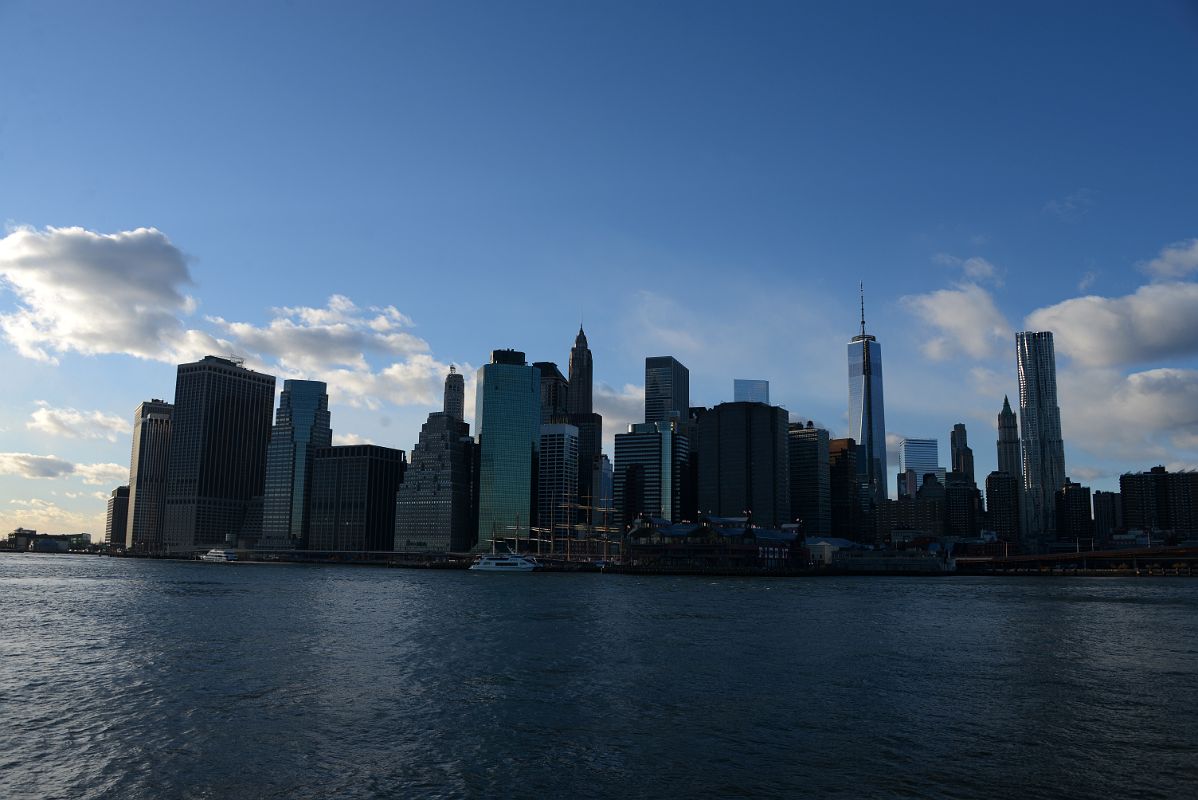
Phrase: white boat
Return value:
(219, 556)
(512, 562)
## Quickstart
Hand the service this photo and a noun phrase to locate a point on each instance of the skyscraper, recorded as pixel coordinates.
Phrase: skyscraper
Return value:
(1040, 422)
(647, 478)
(810, 478)
(867, 418)
(554, 393)
(750, 391)
(557, 481)
(581, 370)
(434, 506)
(301, 426)
(960, 451)
(147, 475)
(667, 389)
(117, 522)
(508, 426)
(1009, 460)
(845, 490)
(219, 434)
(917, 458)
(353, 498)
(1002, 505)
(455, 394)
(743, 464)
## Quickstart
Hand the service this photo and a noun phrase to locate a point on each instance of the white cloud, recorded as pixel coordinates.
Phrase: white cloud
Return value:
(28, 465)
(1175, 261)
(313, 340)
(975, 268)
(1144, 415)
(74, 424)
(94, 293)
(1071, 208)
(350, 438)
(45, 516)
(965, 318)
(1158, 320)
(619, 408)
(103, 474)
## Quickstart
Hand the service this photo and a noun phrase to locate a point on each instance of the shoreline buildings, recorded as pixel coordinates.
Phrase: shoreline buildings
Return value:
(219, 435)
(867, 416)
(301, 426)
(148, 465)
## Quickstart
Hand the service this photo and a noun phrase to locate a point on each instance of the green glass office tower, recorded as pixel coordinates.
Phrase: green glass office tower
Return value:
(301, 425)
(507, 420)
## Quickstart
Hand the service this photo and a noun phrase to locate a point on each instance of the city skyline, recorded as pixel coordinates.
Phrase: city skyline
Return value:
(608, 211)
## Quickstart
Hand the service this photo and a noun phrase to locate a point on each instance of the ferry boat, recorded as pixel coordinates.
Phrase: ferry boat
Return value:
(219, 556)
(512, 562)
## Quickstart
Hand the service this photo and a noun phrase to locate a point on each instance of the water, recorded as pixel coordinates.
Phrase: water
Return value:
(136, 679)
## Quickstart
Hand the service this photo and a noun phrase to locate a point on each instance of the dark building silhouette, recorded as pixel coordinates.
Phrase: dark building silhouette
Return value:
(743, 463)
(147, 476)
(434, 506)
(581, 370)
(667, 389)
(1002, 505)
(117, 522)
(961, 453)
(353, 498)
(302, 424)
(554, 393)
(845, 491)
(1108, 515)
(1073, 512)
(962, 506)
(810, 478)
(1160, 502)
(557, 480)
(219, 434)
(1009, 459)
(655, 454)
(454, 403)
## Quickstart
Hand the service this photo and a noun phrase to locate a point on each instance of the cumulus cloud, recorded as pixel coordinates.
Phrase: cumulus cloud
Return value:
(74, 424)
(28, 465)
(619, 408)
(312, 340)
(94, 293)
(48, 517)
(1156, 321)
(1175, 261)
(965, 318)
(1148, 414)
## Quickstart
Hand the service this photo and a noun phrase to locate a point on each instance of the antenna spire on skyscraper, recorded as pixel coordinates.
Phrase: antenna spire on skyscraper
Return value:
(862, 288)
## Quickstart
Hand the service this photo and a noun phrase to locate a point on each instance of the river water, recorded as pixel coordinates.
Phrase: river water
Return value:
(147, 679)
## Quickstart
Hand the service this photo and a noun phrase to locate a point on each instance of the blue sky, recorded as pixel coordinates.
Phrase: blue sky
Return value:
(709, 180)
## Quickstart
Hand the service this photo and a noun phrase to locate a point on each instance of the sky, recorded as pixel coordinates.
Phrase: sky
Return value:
(367, 193)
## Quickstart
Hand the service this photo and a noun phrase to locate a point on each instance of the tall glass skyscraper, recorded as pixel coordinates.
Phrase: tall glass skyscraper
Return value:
(507, 421)
(1040, 428)
(667, 389)
(918, 457)
(301, 425)
(867, 418)
(219, 435)
(557, 482)
(147, 476)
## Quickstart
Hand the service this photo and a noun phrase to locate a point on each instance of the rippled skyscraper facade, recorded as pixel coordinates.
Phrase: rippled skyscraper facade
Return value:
(1040, 431)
